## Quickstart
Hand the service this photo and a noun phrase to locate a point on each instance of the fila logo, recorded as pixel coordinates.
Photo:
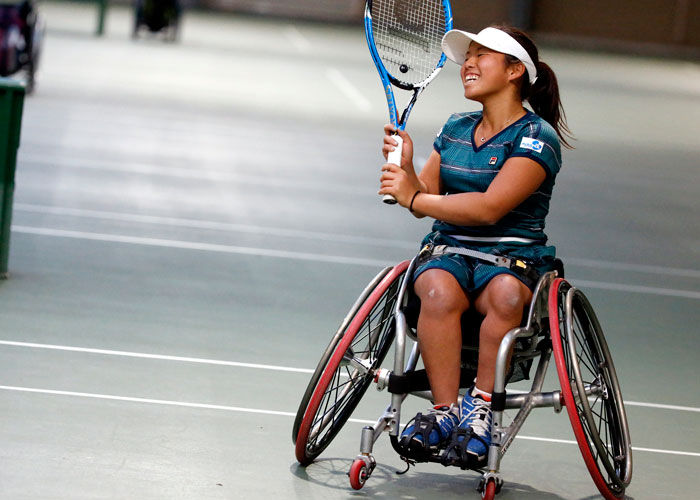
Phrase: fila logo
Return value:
(533, 144)
(493, 160)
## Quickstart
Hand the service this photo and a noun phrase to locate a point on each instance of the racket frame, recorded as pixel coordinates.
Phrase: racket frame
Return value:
(389, 80)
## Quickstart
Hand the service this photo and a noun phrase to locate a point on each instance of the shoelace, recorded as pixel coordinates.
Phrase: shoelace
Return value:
(441, 415)
(479, 417)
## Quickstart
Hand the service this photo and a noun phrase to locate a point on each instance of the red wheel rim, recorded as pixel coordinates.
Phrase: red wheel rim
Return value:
(567, 393)
(334, 361)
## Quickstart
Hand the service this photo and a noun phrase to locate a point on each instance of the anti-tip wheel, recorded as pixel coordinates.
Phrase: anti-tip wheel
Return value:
(489, 492)
(358, 474)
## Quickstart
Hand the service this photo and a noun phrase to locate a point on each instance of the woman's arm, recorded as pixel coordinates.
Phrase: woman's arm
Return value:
(427, 181)
(518, 179)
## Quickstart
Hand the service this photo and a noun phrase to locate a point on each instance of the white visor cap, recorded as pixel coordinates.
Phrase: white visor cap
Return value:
(455, 44)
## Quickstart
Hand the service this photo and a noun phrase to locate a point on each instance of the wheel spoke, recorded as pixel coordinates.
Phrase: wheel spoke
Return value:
(347, 383)
(592, 384)
(583, 349)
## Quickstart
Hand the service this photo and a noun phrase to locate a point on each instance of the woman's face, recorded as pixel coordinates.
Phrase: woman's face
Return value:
(484, 73)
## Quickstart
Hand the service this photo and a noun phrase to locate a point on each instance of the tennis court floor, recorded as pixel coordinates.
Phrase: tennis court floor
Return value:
(193, 220)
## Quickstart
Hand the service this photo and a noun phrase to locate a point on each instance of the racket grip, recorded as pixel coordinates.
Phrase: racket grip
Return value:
(395, 158)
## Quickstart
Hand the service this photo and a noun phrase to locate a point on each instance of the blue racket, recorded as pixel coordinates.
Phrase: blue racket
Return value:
(404, 38)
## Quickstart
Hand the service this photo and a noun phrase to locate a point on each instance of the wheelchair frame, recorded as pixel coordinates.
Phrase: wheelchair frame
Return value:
(557, 316)
(170, 15)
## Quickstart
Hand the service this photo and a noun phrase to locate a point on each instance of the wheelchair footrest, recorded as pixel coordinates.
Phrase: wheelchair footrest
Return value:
(437, 458)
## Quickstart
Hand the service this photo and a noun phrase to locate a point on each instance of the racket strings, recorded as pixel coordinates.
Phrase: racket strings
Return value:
(407, 36)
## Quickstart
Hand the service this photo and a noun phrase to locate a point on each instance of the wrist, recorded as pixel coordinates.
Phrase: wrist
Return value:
(413, 199)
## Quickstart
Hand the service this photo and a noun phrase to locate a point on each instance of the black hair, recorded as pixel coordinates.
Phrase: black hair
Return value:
(543, 95)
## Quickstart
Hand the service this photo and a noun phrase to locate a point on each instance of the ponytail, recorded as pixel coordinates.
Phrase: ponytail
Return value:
(543, 95)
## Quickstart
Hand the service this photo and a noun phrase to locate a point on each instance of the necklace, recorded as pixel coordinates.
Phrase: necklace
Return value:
(483, 137)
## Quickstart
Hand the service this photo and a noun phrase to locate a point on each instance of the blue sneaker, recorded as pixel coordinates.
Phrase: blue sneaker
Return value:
(437, 425)
(470, 440)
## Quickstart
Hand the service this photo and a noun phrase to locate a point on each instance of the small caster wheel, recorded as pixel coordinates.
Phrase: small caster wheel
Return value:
(358, 474)
(489, 492)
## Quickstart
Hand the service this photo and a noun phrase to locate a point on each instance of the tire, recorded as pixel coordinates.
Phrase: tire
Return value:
(336, 387)
(358, 474)
(489, 492)
(583, 362)
(331, 348)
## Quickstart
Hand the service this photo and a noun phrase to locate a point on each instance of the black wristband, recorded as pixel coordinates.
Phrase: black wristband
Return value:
(410, 207)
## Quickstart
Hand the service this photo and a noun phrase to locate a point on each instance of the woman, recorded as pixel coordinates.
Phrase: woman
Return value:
(487, 184)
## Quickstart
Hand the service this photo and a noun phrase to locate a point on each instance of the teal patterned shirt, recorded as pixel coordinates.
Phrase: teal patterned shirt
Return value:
(466, 166)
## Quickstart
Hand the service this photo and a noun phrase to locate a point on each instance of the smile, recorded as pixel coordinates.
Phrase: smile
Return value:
(471, 78)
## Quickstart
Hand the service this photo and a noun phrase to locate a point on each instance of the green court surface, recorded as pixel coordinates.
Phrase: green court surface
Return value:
(193, 220)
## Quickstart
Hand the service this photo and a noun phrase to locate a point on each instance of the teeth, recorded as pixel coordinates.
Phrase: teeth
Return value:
(471, 78)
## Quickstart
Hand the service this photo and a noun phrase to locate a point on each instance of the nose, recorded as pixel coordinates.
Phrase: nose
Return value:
(469, 61)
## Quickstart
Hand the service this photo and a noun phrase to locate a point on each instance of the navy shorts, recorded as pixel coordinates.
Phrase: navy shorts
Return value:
(474, 274)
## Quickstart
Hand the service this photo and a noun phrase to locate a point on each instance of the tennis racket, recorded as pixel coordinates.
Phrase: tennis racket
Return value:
(404, 38)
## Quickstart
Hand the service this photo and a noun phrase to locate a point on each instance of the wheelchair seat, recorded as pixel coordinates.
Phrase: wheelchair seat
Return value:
(471, 325)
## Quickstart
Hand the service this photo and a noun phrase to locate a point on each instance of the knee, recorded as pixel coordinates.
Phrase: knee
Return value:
(440, 299)
(507, 297)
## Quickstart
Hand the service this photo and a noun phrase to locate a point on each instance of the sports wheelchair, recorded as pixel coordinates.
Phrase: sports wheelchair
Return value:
(559, 320)
(21, 35)
(156, 16)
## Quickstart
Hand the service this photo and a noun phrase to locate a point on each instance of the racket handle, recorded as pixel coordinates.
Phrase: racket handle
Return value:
(395, 158)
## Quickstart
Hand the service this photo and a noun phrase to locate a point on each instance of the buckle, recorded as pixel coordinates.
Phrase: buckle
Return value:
(440, 249)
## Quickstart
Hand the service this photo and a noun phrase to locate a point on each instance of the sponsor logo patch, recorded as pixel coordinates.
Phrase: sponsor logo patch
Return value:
(493, 160)
(532, 144)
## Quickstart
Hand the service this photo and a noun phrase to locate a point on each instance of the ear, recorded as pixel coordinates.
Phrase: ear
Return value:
(515, 71)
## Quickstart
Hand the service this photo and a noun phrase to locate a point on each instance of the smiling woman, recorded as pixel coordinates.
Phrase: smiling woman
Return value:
(487, 184)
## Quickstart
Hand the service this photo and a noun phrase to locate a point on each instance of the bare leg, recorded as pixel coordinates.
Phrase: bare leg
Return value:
(502, 303)
(443, 302)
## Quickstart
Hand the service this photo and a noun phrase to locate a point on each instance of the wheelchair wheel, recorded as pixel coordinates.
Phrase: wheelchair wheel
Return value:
(590, 389)
(345, 369)
(489, 492)
(332, 345)
(358, 474)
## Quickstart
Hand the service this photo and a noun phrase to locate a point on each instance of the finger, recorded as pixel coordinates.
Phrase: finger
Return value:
(388, 189)
(390, 167)
(388, 177)
(404, 135)
(389, 129)
(390, 141)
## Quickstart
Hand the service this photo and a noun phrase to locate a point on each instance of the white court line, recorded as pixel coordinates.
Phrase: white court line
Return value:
(347, 88)
(687, 294)
(627, 403)
(282, 254)
(236, 364)
(220, 226)
(108, 352)
(201, 174)
(640, 268)
(209, 247)
(264, 412)
(293, 233)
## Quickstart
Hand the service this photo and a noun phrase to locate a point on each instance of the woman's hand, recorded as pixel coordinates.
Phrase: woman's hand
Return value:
(398, 183)
(390, 143)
